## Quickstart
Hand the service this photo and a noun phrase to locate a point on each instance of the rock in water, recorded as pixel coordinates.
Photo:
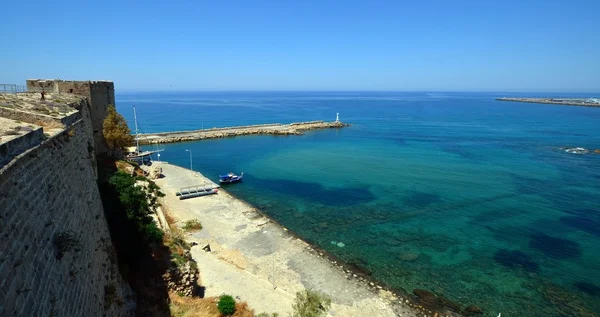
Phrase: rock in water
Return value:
(473, 310)
(425, 296)
(341, 244)
(333, 242)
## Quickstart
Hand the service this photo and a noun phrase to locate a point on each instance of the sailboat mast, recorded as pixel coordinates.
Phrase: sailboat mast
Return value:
(137, 139)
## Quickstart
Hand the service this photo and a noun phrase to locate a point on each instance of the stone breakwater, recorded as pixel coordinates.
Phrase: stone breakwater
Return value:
(556, 101)
(295, 128)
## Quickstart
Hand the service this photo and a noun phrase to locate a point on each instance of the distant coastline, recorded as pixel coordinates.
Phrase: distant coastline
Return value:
(557, 101)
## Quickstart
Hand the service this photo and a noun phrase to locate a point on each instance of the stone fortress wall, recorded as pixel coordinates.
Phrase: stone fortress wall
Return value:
(56, 254)
(99, 93)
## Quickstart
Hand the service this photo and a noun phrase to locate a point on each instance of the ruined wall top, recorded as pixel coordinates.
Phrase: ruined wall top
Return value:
(100, 94)
(78, 87)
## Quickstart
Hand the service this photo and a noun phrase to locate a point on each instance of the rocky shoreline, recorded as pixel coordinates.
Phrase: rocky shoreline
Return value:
(295, 128)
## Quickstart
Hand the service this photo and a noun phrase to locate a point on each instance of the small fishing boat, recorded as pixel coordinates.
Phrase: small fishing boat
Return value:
(230, 178)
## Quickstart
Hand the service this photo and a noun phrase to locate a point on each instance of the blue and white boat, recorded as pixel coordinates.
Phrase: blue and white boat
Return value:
(230, 178)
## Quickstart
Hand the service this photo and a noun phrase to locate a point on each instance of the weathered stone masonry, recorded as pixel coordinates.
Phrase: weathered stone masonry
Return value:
(56, 255)
(100, 94)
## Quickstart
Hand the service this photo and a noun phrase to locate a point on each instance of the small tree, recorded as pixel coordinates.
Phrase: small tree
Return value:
(115, 130)
(226, 305)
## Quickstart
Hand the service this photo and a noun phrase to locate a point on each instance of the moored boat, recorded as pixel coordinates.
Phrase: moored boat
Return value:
(230, 178)
(135, 153)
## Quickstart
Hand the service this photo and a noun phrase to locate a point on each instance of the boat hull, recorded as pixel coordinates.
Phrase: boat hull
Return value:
(229, 181)
(230, 178)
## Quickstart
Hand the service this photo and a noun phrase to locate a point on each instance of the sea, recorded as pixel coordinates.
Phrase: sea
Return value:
(470, 198)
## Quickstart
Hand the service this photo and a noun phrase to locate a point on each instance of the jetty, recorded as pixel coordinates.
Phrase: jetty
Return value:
(296, 128)
(590, 102)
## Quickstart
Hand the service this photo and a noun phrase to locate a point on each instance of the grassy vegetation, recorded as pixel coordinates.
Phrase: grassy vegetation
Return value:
(178, 247)
(192, 225)
(309, 303)
(203, 307)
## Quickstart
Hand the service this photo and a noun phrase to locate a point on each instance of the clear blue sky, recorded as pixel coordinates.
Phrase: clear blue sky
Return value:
(478, 45)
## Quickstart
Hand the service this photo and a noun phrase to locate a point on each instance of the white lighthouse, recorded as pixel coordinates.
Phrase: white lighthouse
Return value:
(337, 117)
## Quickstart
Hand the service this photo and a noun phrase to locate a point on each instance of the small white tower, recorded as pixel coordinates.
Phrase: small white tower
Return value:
(337, 117)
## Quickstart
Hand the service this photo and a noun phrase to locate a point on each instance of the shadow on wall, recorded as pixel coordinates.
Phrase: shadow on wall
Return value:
(140, 263)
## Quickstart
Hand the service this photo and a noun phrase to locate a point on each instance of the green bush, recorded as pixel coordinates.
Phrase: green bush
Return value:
(226, 305)
(268, 315)
(310, 303)
(151, 232)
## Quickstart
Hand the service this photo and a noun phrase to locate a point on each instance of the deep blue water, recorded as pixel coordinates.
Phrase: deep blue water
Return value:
(452, 192)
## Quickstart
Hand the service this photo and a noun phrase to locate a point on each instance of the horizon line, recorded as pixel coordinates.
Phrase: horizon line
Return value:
(358, 91)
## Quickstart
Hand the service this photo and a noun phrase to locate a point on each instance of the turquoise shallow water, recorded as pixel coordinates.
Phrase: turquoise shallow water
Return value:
(451, 192)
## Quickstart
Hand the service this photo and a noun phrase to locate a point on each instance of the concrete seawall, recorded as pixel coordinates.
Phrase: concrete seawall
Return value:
(295, 128)
(555, 101)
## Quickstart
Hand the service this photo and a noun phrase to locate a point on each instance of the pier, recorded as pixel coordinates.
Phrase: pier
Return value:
(557, 101)
(295, 128)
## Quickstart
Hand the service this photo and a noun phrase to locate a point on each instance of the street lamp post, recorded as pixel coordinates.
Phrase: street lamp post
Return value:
(191, 166)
